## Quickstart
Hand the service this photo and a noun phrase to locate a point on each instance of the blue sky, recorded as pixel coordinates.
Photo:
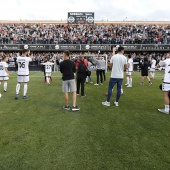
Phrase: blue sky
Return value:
(119, 10)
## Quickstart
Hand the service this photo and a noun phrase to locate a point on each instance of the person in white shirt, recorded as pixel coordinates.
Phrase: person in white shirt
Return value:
(89, 70)
(166, 83)
(48, 69)
(152, 69)
(129, 71)
(23, 72)
(4, 74)
(119, 63)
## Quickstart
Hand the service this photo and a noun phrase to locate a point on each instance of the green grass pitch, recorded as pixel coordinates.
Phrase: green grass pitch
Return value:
(37, 134)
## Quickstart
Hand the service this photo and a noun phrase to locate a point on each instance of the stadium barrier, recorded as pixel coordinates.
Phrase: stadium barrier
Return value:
(85, 47)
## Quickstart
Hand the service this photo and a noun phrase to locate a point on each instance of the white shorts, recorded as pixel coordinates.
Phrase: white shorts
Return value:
(129, 73)
(152, 69)
(23, 79)
(165, 87)
(48, 74)
(5, 78)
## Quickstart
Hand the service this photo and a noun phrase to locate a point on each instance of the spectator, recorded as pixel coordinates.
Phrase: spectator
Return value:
(82, 34)
(119, 64)
(81, 67)
(89, 70)
(100, 65)
(67, 68)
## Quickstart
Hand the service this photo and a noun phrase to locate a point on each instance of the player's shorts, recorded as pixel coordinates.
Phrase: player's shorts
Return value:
(23, 79)
(129, 73)
(166, 87)
(4, 78)
(69, 86)
(152, 69)
(48, 74)
(144, 73)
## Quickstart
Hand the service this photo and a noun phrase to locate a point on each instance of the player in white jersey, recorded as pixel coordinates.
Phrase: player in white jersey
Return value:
(129, 71)
(23, 72)
(4, 74)
(48, 69)
(152, 69)
(166, 83)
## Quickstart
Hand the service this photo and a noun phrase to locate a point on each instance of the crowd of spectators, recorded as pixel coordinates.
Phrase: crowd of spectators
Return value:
(84, 34)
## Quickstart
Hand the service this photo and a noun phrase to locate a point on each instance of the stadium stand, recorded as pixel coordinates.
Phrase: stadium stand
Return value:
(100, 33)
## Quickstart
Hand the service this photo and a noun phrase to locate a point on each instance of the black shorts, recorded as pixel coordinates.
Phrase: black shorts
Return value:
(144, 73)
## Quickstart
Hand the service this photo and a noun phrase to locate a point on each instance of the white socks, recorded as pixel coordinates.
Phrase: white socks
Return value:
(48, 80)
(127, 79)
(5, 86)
(121, 91)
(130, 81)
(153, 75)
(87, 80)
(17, 88)
(25, 89)
(166, 108)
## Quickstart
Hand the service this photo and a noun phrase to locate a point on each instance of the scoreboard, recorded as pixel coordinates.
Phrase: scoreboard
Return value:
(80, 18)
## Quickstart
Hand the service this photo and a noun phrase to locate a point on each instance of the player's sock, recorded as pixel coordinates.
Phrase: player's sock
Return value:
(25, 89)
(153, 75)
(127, 79)
(87, 80)
(0, 82)
(166, 108)
(17, 88)
(130, 81)
(5, 86)
(121, 91)
(48, 80)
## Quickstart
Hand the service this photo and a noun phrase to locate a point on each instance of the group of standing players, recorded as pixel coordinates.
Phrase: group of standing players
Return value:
(118, 61)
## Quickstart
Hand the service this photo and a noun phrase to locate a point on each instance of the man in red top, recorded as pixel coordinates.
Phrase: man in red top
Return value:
(81, 67)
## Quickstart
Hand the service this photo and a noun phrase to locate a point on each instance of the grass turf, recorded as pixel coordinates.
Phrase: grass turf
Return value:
(38, 134)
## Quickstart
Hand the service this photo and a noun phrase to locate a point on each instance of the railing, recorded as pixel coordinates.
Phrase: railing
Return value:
(85, 47)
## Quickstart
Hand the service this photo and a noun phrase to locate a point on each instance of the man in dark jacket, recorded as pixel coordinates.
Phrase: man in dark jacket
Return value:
(81, 67)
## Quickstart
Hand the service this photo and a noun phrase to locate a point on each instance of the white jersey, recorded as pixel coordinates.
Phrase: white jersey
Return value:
(3, 65)
(48, 67)
(23, 65)
(167, 70)
(118, 61)
(153, 65)
(130, 67)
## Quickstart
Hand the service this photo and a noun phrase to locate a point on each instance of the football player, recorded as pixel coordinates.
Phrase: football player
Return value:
(48, 69)
(4, 74)
(152, 69)
(23, 72)
(129, 71)
(166, 83)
